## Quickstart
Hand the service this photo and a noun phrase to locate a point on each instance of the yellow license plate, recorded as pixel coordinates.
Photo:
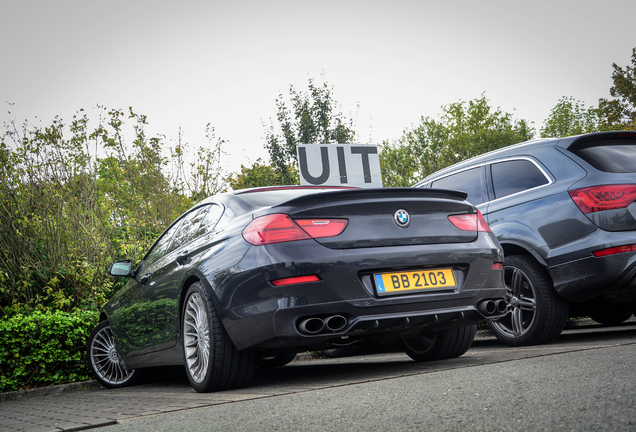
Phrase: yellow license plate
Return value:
(405, 282)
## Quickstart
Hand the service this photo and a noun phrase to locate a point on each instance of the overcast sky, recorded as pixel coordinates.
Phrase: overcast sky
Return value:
(190, 63)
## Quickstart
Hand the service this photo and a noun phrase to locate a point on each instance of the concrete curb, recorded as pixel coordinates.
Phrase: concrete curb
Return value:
(50, 390)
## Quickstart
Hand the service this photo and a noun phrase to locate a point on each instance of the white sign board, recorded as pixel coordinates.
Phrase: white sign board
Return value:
(355, 165)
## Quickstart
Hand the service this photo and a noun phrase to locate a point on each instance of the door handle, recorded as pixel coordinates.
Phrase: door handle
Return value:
(144, 279)
(182, 258)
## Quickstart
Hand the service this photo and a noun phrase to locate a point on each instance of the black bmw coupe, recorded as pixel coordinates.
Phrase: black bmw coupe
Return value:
(249, 278)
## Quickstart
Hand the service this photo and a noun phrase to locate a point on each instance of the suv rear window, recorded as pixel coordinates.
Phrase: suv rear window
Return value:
(615, 156)
(511, 177)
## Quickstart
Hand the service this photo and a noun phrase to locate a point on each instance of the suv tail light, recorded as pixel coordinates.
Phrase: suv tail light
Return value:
(278, 228)
(470, 222)
(606, 197)
(614, 250)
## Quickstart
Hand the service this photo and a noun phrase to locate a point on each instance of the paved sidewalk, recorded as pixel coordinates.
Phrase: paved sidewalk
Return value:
(85, 405)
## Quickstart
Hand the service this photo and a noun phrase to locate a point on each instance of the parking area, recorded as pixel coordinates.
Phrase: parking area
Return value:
(169, 391)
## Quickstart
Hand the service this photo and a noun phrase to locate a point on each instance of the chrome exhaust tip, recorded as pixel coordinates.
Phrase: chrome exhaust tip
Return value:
(335, 323)
(311, 325)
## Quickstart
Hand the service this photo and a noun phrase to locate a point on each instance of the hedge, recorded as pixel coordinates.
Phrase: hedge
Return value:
(44, 348)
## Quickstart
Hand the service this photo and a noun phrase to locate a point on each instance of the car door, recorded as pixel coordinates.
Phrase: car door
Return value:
(520, 198)
(132, 313)
(145, 314)
(164, 280)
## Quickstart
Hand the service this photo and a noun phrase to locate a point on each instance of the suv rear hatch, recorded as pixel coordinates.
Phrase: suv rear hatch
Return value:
(607, 195)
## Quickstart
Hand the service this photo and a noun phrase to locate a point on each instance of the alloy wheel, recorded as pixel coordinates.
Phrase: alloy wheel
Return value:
(522, 304)
(196, 335)
(105, 359)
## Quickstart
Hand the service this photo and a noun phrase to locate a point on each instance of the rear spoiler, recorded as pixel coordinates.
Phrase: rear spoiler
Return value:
(581, 140)
(397, 194)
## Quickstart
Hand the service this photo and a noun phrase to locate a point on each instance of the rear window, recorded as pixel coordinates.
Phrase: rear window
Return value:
(612, 156)
(514, 176)
(275, 196)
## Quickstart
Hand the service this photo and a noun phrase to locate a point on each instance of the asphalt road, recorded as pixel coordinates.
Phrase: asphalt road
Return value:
(585, 381)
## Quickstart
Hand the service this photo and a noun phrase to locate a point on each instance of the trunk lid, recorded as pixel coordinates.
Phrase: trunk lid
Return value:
(372, 220)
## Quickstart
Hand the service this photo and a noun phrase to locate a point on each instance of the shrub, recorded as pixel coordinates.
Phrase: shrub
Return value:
(44, 348)
(73, 199)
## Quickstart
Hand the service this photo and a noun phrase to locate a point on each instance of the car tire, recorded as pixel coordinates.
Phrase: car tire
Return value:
(611, 318)
(536, 314)
(212, 361)
(440, 345)
(275, 361)
(104, 361)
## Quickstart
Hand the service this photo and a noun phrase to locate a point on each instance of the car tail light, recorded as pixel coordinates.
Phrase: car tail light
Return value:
(295, 280)
(318, 228)
(607, 197)
(470, 222)
(274, 228)
(614, 250)
(278, 228)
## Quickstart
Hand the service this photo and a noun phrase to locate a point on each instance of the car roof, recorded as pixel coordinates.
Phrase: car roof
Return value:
(502, 152)
(518, 149)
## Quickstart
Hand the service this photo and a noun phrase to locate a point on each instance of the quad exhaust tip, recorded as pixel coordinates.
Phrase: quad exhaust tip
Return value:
(315, 325)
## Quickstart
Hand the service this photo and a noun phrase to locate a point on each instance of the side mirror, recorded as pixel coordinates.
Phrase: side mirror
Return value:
(121, 268)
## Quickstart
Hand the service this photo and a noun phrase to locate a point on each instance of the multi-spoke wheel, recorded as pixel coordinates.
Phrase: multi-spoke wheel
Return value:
(439, 345)
(104, 361)
(212, 361)
(196, 337)
(536, 314)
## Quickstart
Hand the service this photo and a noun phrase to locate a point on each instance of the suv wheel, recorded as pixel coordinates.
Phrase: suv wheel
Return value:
(612, 317)
(536, 314)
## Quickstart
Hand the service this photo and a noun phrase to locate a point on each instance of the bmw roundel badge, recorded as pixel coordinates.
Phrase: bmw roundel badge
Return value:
(402, 218)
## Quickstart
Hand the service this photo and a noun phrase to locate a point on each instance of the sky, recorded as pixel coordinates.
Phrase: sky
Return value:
(189, 63)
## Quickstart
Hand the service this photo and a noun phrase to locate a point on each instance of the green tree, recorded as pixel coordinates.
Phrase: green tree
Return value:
(398, 166)
(259, 174)
(570, 117)
(620, 112)
(463, 130)
(308, 117)
(204, 176)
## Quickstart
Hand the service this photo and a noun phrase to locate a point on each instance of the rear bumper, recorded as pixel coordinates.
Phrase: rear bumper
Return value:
(589, 277)
(257, 314)
(379, 325)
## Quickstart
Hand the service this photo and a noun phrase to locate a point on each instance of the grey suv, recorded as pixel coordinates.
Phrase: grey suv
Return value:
(564, 211)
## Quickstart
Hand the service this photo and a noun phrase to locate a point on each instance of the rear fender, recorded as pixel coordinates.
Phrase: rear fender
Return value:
(516, 236)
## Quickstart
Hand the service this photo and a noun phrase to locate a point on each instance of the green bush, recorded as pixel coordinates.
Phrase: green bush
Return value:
(44, 348)
(74, 198)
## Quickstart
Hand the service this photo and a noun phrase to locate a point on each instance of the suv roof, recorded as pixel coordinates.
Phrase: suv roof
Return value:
(517, 149)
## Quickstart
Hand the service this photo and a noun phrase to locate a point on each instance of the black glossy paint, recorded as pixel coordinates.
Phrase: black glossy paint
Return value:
(544, 222)
(146, 314)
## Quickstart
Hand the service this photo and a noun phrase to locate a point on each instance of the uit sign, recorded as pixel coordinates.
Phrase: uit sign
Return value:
(356, 165)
